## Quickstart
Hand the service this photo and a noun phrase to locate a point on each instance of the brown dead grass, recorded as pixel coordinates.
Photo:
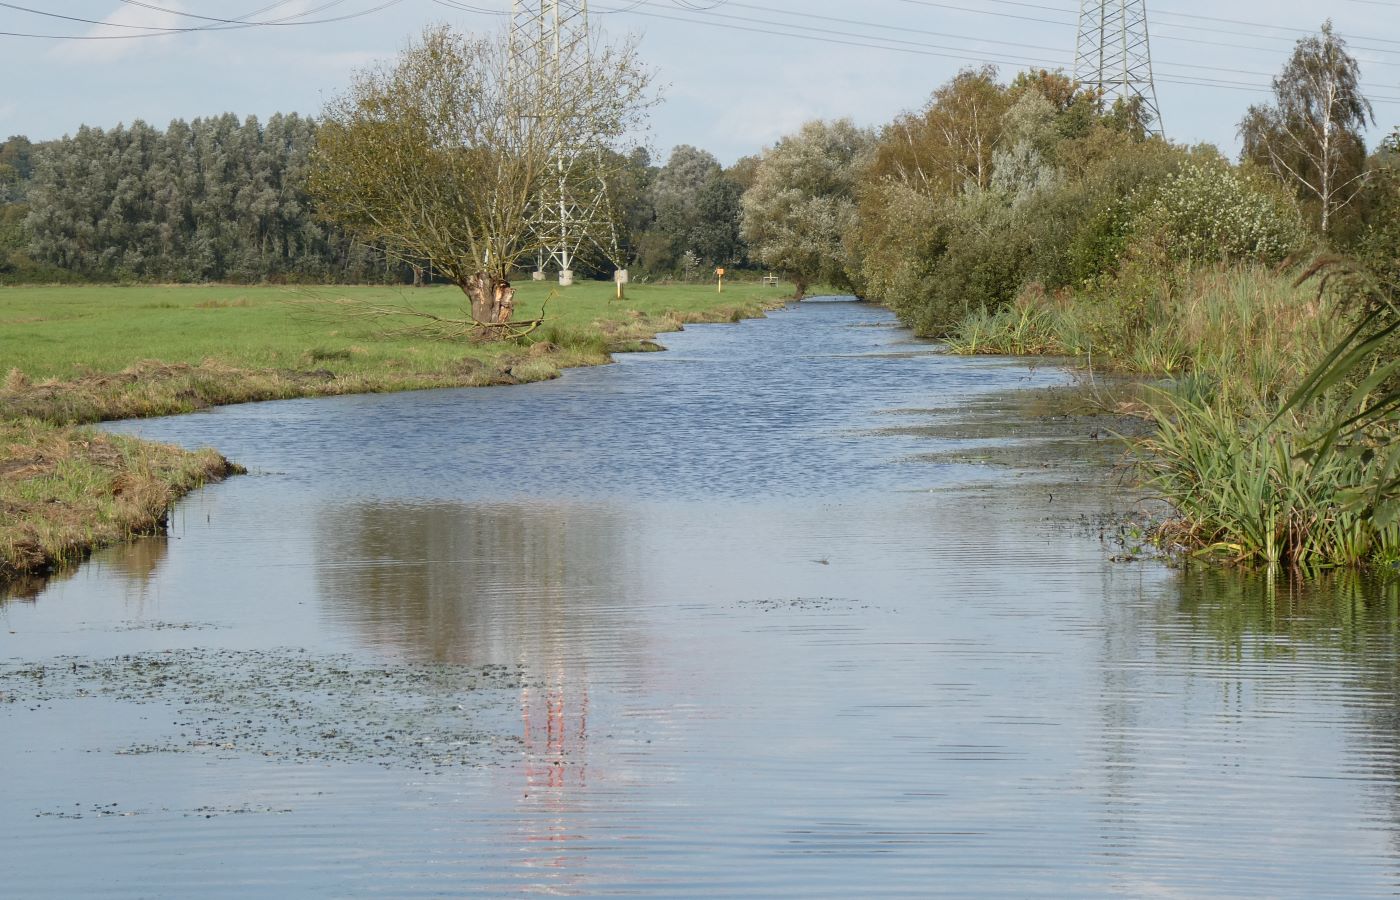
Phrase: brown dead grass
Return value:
(65, 491)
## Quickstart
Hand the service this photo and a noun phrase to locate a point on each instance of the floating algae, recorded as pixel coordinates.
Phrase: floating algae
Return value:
(292, 705)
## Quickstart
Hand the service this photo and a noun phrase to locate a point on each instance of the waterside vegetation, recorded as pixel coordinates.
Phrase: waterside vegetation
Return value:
(1032, 218)
(1027, 216)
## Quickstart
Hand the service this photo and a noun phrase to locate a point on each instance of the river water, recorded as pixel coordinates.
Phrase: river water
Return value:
(802, 607)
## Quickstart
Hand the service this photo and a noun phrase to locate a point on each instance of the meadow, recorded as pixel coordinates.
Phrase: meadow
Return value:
(66, 333)
(71, 355)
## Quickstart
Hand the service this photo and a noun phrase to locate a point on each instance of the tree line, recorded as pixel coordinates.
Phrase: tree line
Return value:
(227, 199)
(958, 205)
(992, 188)
(214, 199)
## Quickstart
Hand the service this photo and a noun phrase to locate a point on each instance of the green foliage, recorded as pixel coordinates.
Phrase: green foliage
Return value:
(898, 236)
(1308, 480)
(1055, 206)
(697, 209)
(212, 199)
(1253, 493)
(1249, 329)
(948, 144)
(1112, 216)
(802, 202)
(1209, 212)
(1378, 245)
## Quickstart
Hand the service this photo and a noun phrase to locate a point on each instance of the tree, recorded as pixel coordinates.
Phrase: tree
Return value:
(698, 209)
(218, 198)
(630, 193)
(442, 156)
(947, 145)
(716, 233)
(675, 194)
(802, 202)
(1311, 135)
(1379, 242)
(16, 168)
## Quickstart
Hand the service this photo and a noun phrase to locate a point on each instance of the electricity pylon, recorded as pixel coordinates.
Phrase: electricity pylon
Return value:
(549, 45)
(1114, 54)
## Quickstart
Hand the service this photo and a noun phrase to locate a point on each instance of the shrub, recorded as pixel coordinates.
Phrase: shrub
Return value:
(1210, 212)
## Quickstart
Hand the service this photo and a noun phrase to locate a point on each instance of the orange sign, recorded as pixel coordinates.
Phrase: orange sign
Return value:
(719, 272)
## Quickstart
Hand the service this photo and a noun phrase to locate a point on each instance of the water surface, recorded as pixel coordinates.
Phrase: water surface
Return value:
(755, 616)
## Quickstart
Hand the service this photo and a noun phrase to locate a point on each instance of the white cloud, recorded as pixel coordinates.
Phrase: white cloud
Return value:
(119, 26)
(756, 108)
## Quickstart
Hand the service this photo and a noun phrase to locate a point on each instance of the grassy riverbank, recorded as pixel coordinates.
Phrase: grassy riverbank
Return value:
(88, 354)
(1258, 471)
(1252, 330)
(65, 490)
(75, 355)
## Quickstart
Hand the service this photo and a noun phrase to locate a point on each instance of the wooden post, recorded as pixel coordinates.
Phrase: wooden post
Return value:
(720, 273)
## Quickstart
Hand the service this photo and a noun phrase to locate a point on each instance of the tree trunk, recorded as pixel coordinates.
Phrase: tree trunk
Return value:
(801, 284)
(492, 298)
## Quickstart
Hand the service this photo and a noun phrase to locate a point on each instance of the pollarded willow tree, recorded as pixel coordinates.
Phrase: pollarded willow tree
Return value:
(443, 157)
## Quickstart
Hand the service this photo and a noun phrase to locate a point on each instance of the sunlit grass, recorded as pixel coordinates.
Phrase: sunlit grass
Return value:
(71, 355)
(84, 354)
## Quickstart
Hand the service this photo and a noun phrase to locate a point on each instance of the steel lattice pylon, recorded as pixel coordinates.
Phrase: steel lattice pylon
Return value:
(549, 44)
(1114, 54)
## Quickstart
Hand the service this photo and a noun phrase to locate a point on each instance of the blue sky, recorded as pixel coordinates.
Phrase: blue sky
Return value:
(736, 76)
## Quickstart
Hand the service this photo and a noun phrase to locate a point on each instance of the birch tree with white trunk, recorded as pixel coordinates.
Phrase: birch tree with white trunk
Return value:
(1311, 135)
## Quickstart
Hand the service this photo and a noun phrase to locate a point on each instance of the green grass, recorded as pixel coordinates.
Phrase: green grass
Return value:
(71, 355)
(1254, 477)
(66, 490)
(85, 354)
(1249, 329)
(1254, 488)
(64, 332)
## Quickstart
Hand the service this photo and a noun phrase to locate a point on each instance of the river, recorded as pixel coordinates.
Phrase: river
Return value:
(801, 607)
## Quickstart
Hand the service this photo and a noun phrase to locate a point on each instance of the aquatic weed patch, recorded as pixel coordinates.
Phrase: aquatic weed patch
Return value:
(293, 705)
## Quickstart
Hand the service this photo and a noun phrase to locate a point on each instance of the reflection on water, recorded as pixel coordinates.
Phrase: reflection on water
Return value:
(1254, 613)
(542, 587)
(801, 607)
(471, 583)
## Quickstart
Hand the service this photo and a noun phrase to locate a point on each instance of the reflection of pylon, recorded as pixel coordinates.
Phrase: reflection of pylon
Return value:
(555, 748)
(1114, 54)
(549, 44)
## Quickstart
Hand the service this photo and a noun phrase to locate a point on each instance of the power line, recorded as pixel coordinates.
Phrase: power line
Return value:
(155, 31)
(963, 54)
(1113, 54)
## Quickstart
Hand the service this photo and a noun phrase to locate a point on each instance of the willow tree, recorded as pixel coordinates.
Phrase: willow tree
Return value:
(443, 157)
(802, 202)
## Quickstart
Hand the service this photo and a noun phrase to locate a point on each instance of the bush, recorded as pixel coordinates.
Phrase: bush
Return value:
(1211, 212)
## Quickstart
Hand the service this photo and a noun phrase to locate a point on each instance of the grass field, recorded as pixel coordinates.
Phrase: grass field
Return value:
(72, 355)
(86, 354)
(65, 331)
